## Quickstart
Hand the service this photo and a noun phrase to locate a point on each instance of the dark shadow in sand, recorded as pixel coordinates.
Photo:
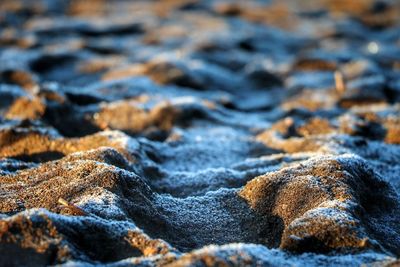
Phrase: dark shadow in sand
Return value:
(40, 157)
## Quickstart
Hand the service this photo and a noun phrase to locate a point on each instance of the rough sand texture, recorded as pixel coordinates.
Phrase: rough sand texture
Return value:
(199, 133)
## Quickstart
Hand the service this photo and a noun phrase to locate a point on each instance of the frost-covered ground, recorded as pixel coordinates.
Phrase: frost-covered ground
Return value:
(199, 133)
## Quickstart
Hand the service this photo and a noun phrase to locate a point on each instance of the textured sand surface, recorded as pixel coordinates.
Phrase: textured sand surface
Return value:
(199, 133)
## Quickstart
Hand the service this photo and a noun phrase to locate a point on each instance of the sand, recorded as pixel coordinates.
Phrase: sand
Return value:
(199, 133)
